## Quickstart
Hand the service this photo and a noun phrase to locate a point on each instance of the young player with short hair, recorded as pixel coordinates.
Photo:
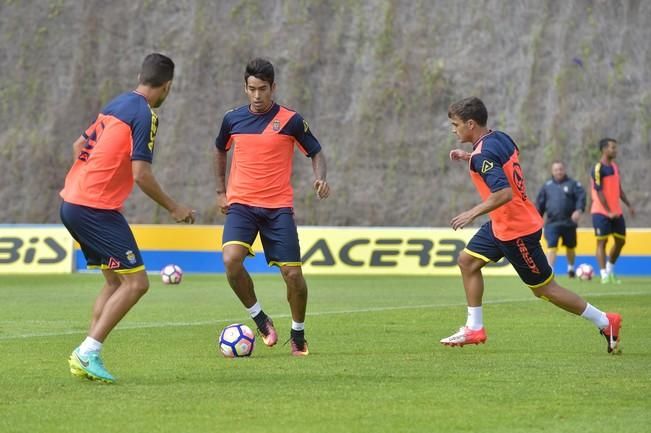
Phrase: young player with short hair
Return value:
(116, 150)
(513, 230)
(259, 197)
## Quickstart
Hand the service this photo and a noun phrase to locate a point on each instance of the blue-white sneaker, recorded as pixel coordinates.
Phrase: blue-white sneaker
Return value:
(89, 366)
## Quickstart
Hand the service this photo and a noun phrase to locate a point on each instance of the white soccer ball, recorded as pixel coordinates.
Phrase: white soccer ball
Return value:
(171, 274)
(584, 272)
(236, 340)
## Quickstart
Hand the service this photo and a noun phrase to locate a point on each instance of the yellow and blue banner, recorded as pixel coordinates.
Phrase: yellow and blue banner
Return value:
(360, 250)
(326, 250)
(35, 249)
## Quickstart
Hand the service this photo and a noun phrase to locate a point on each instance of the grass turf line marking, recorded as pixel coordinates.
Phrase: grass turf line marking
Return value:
(151, 325)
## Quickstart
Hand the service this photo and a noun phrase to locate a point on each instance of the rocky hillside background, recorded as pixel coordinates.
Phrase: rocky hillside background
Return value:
(374, 79)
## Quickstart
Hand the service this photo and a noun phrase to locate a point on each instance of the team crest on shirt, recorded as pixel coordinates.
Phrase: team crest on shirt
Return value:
(131, 257)
(305, 126)
(486, 166)
(276, 125)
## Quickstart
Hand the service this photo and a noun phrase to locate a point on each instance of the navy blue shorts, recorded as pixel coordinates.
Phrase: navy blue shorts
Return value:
(277, 230)
(604, 226)
(104, 236)
(554, 232)
(525, 254)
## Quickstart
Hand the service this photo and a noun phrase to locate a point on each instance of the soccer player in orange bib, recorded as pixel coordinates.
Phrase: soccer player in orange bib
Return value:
(513, 230)
(116, 150)
(260, 199)
(606, 210)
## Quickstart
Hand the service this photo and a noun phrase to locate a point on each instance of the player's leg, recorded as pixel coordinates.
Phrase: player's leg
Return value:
(602, 230)
(110, 309)
(480, 250)
(237, 276)
(609, 324)
(527, 257)
(619, 236)
(86, 365)
(111, 283)
(240, 230)
(297, 298)
(132, 287)
(107, 241)
(279, 237)
(569, 241)
(552, 235)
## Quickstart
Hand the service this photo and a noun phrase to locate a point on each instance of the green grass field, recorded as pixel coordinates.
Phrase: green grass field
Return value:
(375, 363)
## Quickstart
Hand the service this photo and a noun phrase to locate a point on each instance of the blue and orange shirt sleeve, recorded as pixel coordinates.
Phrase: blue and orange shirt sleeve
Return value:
(489, 167)
(298, 128)
(143, 135)
(222, 142)
(597, 175)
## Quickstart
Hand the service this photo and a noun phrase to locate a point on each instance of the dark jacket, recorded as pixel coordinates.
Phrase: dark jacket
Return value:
(559, 200)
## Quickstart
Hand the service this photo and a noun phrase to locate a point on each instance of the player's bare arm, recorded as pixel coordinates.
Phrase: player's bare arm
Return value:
(220, 179)
(77, 147)
(459, 155)
(622, 194)
(492, 202)
(319, 167)
(145, 179)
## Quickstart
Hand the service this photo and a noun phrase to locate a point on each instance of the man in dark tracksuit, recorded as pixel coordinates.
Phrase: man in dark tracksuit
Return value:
(563, 200)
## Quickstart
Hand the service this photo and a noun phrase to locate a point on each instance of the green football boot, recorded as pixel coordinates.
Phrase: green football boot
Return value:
(89, 366)
(613, 279)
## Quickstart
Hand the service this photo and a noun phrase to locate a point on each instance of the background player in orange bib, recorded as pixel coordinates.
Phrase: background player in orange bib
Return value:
(260, 199)
(513, 230)
(606, 210)
(113, 153)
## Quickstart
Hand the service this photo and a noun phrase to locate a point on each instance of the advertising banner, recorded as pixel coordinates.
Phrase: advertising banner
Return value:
(35, 249)
(378, 251)
(359, 251)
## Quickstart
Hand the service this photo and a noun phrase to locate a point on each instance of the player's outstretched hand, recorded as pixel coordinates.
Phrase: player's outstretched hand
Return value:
(182, 214)
(462, 220)
(321, 188)
(459, 155)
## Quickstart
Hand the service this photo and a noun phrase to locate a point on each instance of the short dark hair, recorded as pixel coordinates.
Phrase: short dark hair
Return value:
(261, 69)
(469, 108)
(603, 143)
(156, 70)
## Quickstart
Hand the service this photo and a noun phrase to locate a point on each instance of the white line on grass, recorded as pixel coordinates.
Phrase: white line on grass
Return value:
(150, 325)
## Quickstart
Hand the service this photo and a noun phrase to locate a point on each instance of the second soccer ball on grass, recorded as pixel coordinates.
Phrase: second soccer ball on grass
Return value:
(171, 274)
(584, 272)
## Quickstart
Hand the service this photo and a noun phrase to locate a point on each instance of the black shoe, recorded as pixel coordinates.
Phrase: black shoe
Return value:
(571, 274)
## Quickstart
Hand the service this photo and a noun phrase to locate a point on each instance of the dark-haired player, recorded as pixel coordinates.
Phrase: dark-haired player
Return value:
(513, 231)
(259, 197)
(606, 210)
(116, 150)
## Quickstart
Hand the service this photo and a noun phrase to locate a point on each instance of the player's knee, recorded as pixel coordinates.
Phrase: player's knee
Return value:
(467, 263)
(540, 292)
(138, 285)
(292, 274)
(232, 261)
(113, 285)
(545, 292)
